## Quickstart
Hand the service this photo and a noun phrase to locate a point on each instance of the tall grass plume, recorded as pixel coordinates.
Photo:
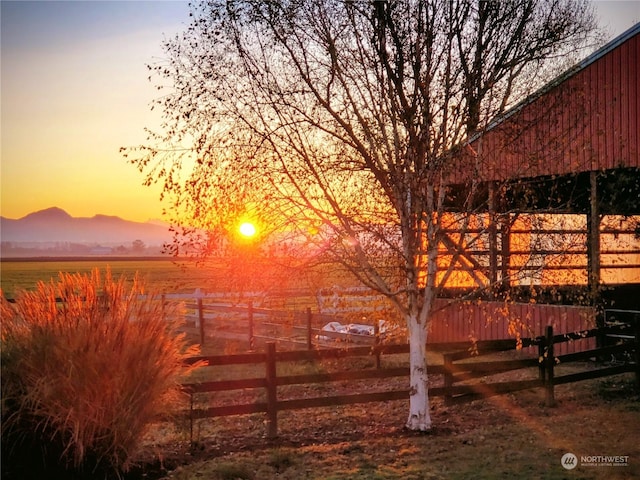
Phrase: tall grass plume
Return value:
(88, 364)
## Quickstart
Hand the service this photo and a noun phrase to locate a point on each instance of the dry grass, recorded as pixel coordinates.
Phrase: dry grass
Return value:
(83, 379)
(512, 436)
(509, 436)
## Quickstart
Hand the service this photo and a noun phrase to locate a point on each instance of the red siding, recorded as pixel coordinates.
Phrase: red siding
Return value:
(587, 122)
(460, 321)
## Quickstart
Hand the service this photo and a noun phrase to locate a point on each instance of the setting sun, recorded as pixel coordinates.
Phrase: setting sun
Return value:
(247, 229)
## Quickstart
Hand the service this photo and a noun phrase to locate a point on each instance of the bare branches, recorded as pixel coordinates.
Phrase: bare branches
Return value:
(344, 115)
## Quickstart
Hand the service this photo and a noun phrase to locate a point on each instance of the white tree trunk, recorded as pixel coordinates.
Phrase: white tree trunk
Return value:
(419, 416)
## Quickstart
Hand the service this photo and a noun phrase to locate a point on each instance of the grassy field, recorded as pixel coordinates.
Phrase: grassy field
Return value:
(169, 276)
(16, 275)
(163, 274)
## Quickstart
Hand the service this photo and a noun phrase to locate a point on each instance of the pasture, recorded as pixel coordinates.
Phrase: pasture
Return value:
(164, 275)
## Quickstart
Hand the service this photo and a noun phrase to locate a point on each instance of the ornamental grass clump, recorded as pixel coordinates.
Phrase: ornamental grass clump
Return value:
(88, 364)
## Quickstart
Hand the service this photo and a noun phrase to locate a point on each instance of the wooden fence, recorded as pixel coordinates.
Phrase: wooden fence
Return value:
(626, 344)
(453, 321)
(260, 325)
(458, 376)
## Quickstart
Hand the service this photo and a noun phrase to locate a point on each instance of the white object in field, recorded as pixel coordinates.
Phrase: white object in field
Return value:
(353, 329)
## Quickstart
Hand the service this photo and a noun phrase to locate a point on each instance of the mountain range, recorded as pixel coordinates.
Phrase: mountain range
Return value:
(55, 226)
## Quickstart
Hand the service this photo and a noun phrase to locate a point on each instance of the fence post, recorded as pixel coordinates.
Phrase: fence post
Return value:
(191, 418)
(448, 379)
(541, 360)
(549, 365)
(637, 335)
(376, 346)
(272, 394)
(309, 332)
(201, 321)
(250, 315)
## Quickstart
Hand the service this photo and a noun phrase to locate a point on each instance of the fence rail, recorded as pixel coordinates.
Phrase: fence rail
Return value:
(457, 375)
(305, 325)
(452, 321)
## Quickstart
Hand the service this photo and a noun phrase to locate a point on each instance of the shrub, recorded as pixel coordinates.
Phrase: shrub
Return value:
(83, 378)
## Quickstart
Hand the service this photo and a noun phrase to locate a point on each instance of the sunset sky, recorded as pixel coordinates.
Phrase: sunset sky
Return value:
(74, 90)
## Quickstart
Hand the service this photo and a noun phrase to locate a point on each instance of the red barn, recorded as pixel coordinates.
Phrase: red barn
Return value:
(558, 180)
(585, 120)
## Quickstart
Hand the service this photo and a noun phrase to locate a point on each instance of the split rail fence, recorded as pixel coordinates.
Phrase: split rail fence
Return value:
(453, 321)
(458, 376)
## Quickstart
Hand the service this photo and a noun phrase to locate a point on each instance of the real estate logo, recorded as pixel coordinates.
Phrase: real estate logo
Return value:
(569, 461)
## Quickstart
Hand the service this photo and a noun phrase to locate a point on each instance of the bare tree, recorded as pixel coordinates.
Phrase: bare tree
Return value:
(338, 120)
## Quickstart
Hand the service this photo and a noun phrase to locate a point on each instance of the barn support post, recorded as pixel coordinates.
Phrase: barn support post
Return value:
(493, 237)
(593, 244)
(505, 250)
(272, 393)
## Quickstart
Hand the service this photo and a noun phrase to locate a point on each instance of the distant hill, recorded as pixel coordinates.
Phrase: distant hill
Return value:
(55, 226)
